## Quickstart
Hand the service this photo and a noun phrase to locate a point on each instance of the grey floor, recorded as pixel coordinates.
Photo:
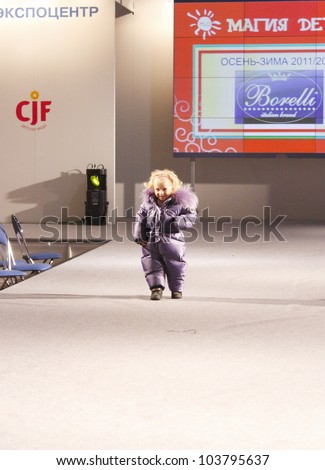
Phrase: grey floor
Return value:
(89, 362)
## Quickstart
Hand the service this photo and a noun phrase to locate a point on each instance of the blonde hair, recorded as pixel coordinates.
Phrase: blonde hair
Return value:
(176, 182)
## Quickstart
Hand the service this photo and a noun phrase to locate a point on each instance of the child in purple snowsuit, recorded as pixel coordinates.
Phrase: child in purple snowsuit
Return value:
(167, 208)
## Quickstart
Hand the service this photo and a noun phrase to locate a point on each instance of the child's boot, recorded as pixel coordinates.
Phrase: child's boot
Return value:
(156, 293)
(176, 295)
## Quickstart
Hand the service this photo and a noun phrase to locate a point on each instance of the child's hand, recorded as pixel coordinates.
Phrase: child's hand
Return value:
(143, 243)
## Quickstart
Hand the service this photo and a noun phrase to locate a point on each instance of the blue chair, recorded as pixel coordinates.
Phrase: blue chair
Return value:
(46, 257)
(8, 275)
(22, 265)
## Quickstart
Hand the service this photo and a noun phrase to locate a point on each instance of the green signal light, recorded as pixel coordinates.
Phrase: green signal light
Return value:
(94, 180)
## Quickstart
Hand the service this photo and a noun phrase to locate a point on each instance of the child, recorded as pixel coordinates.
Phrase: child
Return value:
(167, 208)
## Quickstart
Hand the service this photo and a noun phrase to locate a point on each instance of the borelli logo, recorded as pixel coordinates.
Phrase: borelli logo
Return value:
(33, 112)
(284, 97)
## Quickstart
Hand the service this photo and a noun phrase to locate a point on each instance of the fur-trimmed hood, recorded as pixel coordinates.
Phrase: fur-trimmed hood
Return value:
(184, 196)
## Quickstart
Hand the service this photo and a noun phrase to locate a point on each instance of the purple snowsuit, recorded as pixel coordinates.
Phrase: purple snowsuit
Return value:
(161, 226)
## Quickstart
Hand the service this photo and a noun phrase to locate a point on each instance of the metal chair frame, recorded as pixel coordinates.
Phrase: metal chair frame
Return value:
(7, 274)
(46, 257)
(31, 268)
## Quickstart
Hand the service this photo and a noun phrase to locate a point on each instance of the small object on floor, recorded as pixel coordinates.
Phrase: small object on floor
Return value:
(156, 294)
(176, 295)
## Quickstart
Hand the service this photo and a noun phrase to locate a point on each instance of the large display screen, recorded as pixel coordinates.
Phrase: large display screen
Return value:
(249, 78)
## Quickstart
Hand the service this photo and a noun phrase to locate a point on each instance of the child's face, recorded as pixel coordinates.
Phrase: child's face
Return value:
(163, 188)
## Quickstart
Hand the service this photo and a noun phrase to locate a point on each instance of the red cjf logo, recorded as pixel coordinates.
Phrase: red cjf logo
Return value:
(33, 111)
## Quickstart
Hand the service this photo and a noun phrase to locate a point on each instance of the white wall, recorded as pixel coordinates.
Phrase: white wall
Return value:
(144, 95)
(229, 187)
(70, 61)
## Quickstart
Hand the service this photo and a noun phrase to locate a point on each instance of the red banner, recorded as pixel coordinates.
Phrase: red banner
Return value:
(249, 78)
